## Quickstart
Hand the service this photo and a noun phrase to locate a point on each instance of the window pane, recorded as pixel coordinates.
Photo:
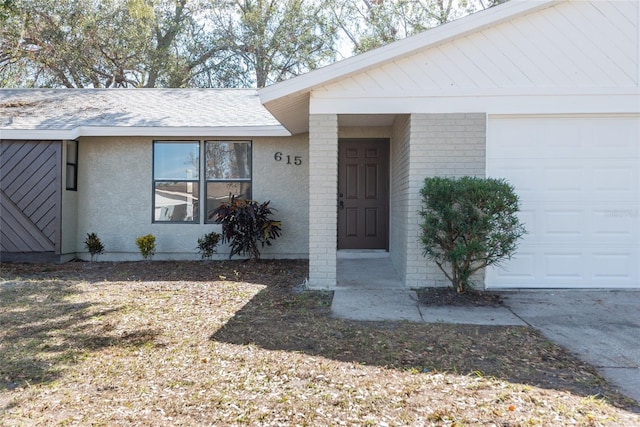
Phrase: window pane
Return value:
(72, 152)
(176, 160)
(176, 201)
(228, 160)
(71, 177)
(218, 192)
(72, 165)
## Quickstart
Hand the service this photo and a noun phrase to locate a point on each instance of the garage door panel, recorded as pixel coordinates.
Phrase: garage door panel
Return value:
(553, 224)
(564, 265)
(616, 223)
(602, 181)
(579, 185)
(613, 265)
(520, 267)
(566, 268)
(616, 177)
(604, 223)
(615, 180)
(554, 140)
(520, 176)
(564, 222)
(563, 138)
(528, 216)
(622, 144)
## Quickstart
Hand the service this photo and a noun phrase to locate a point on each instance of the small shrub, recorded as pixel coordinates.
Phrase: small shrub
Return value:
(147, 245)
(207, 244)
(94, 245)
(244, 224)
(468, 224)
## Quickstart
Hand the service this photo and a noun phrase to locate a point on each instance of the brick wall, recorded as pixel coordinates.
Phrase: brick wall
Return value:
(323, 188)
(422, 145)
(441, 145)
(399, 203)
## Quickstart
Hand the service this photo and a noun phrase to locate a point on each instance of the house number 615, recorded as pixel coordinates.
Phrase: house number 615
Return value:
(291, 160)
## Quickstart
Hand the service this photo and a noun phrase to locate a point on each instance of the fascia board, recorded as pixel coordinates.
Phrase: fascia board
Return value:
(37, 134)
(402, 48)
(514, 104)
(275, 130)
(43, 134)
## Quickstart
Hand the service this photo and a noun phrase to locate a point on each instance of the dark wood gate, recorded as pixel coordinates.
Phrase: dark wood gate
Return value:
(30, 197)
(363, 194)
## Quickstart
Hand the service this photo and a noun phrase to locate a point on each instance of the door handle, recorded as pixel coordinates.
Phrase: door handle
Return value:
(341, 204)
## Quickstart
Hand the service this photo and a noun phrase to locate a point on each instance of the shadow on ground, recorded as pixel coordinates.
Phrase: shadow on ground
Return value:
(44, 329)
(278, 319)
(42, 332)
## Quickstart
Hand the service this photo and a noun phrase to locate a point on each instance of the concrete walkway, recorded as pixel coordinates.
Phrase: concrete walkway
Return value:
(601, 327)
(369, 288)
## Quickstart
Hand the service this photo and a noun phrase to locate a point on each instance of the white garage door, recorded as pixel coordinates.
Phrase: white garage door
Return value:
(579, 184)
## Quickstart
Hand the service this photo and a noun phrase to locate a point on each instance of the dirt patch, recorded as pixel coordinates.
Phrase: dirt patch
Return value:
(447, 296)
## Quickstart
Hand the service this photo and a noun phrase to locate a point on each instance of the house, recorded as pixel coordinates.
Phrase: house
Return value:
(543, 93)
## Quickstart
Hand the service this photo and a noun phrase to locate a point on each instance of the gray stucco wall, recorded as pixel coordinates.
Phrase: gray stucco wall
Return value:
(287, 186)
(115, 198)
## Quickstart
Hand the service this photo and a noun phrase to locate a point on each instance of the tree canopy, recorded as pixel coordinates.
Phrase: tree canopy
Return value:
(272, 40)
(105, 43)
(369, 24)
(198, 43)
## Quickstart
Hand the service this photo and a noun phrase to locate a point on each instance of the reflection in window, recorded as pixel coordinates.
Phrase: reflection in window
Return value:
(176, 160)
(176, 201)
(175, 181)
(228, 172)
(218, 192)
(228, 160)
(72, 166)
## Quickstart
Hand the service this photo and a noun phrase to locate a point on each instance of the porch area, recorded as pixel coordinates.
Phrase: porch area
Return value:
(370, 289)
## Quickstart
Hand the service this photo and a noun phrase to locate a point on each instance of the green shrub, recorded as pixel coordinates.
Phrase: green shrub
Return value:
(468, 224)
(207, 244)
(147, 245)
(93, 245)
(244, 224)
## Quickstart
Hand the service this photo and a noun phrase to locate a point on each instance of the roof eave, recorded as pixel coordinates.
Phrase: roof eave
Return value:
(107, 131)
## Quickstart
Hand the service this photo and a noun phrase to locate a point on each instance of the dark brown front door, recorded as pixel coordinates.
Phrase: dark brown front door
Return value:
(363, 194)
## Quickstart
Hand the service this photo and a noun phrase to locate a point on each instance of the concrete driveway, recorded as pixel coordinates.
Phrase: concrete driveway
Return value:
(601, 327)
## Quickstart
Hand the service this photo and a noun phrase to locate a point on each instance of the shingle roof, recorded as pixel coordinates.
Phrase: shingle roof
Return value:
(140, 109)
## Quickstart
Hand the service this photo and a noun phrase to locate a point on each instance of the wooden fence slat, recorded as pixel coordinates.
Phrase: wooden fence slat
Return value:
(30, 196)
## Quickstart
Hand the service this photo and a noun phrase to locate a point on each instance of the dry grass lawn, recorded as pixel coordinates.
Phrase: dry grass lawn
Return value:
(236, 343)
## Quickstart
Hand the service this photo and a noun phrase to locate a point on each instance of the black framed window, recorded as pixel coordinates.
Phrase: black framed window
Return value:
(176, 178)
(72, 166)
(227, 172)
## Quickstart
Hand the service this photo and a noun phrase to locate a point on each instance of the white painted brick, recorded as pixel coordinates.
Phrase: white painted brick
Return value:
(323, 163)
(442, 145)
